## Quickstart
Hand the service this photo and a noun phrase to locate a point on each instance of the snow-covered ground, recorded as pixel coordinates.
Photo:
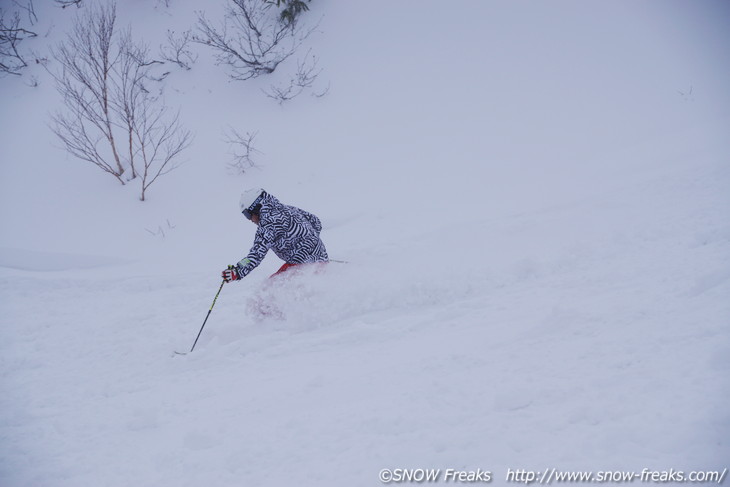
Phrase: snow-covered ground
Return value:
(532, 198)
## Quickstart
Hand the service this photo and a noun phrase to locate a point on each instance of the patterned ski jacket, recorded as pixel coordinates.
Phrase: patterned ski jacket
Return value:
(292, 233)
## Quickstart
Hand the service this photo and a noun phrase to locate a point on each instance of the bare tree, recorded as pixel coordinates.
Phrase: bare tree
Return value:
(87, 58)
(112, 118)
(243, 150)
(12, 60)
(253, 39)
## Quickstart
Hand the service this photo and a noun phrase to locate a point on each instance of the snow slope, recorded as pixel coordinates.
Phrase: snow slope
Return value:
(532, 200)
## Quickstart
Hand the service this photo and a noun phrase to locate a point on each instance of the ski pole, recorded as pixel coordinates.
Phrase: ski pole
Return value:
(206, 319)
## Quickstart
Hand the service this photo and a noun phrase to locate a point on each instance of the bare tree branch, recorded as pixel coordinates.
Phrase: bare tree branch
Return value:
(304, 77)
(11, 35)
(177, 50)
(69, 3)
(30, 10)
(81, 144)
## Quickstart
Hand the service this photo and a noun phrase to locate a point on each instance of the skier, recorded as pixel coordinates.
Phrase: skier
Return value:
(292, 233)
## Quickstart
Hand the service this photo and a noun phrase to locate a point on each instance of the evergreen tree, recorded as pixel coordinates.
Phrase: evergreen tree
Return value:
(292, 9)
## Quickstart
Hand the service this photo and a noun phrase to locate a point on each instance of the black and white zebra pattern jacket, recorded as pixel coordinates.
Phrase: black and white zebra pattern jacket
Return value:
(292, 233)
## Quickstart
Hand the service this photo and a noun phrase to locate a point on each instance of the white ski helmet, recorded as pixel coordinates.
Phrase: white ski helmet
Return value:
(250, 199)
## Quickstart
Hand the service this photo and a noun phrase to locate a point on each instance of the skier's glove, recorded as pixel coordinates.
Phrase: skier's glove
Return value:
(231, 274)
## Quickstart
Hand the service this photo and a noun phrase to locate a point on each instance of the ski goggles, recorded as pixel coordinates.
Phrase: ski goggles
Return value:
(255, 206)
